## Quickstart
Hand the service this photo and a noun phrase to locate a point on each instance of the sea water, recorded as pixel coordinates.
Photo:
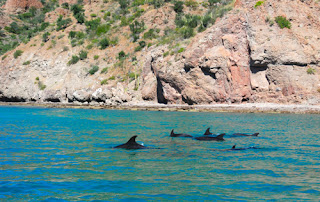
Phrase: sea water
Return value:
(67, 155)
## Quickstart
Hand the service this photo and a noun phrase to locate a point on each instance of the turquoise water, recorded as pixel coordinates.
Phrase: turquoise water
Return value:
(66, 155)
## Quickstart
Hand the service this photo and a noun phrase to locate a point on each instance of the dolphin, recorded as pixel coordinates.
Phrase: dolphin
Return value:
(232, 149)
(131, 144)
(208, 132)
(242, 134)
(209, 138)
(172, 134)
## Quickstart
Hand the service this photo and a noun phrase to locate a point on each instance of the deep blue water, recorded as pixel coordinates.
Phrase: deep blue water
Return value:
(66, 155)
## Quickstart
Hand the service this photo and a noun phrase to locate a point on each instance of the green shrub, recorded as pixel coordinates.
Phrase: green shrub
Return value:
(212, 2)
(65, 48)
(156, 3)
(78, 13)
(72, 34)
(96, 57)
(178, 6)
(4, 57)
(102, 29)
(74, 60)
(138, 2)
(311, 70)
(112, 78)
(90, 46)
(186, 32)
(93, 15)
(103, 43)
(259, 3)
(142, 44)
(283, 22)
(104, 70)
(43, 26)
(17, 53)
(166, 54)
(65, 5)
(191, 3)
(37, 78)
(180, 50)
(121, 55)
(136, 28)
(123, 4)
(83, 55)
(104, 81)
(93, 70)
(45, 37)
(150, 34)
(62, 24)
(41, 85)
(179, 20)
(192, 20)
(137, 49)
(92, 25)
(26, 62)
(124, 21)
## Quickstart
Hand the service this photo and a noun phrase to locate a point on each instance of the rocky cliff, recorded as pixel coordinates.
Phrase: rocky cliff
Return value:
(244, 57)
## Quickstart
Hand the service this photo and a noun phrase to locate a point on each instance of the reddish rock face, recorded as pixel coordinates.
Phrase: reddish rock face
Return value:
(21, 5)
(214, 67)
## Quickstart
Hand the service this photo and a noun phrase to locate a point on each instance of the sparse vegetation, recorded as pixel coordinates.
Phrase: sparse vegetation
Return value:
(45, 37)
(17, 53)
(63, 23)
(104, 70)
(311, 70)
(40, 84)
(270, 21)
(94, 69)
(26, 62)
(283, 22)
(74, 60)
(104, 43)
(104, 81)
(259, 3)
(83, 55)
(96, 57)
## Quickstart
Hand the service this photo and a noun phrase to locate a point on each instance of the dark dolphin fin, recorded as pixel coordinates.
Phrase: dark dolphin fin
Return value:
(220, 137)
(255, 134)
(132, 140)
(172, 133)
(207, 132)
(233, 147)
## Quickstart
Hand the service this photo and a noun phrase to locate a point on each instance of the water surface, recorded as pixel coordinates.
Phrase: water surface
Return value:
(67, 155)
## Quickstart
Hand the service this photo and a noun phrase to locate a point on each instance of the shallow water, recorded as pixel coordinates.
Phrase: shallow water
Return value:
(66, 155)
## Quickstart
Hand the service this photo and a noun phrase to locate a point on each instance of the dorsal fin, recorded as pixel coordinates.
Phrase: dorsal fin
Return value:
(207, 132)
(132, 139)
(234, 146)
(255, 134)
(221, 136)
(172, 133)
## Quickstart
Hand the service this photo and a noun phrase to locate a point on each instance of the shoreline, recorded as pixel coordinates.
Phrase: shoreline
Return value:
(146, 106)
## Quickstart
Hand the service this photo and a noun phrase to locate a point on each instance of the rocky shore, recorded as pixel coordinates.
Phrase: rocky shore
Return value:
(152, 106)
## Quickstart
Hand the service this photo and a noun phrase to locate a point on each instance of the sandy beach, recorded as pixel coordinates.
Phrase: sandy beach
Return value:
(239, 108)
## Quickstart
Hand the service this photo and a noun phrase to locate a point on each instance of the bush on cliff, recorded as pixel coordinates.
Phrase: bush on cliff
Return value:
(17, 54)
(93, 70)
(73, 60)
(63, 23)
(283, 22)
